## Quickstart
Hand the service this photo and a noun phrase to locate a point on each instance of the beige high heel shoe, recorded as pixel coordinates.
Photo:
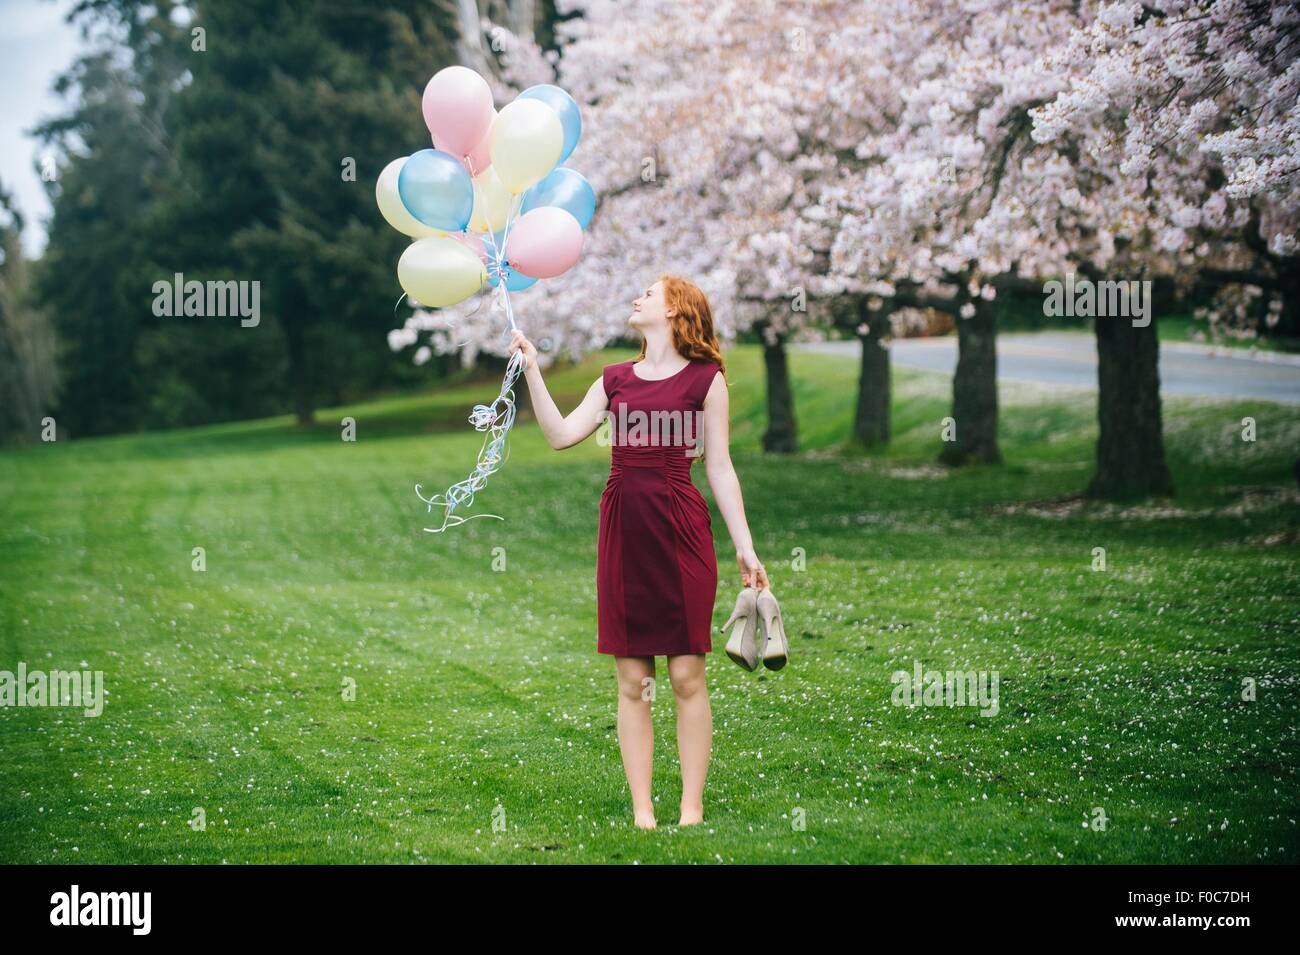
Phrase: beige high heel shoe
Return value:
(776, 648)
(742, 646)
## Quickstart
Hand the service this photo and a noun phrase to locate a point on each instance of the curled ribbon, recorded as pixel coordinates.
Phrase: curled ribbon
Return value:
(496, 419)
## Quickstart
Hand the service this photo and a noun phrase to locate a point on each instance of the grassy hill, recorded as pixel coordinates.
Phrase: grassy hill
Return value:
(1120, 690)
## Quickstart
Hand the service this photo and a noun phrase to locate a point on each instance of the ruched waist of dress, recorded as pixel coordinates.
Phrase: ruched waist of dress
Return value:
(672, 458)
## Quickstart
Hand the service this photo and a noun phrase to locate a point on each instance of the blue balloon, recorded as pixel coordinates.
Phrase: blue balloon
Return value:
(436, 189)
(565, 189)
(565, 108)
(515, 281)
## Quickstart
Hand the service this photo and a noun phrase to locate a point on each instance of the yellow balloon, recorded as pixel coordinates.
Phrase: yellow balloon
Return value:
(440, 271)
(390, 204)
(526, 142)
(491, 202)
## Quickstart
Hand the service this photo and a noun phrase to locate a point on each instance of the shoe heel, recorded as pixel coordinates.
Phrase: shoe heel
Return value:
(776, 648)
(740, 646)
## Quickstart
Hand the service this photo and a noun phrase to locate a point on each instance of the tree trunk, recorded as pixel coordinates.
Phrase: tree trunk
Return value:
(1288, 287)
(299, 372)
(522, 17)
(1130, 446)
(780, 435)
(469, 42)
(975, 390)
(871, 420)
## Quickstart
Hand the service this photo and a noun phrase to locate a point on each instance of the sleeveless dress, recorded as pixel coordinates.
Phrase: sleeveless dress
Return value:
(656, 569)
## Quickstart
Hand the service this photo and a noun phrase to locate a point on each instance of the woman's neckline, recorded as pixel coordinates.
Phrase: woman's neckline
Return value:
(651, 380)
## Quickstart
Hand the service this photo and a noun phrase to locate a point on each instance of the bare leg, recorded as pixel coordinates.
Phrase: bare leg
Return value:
(636, 732)
(694, 731)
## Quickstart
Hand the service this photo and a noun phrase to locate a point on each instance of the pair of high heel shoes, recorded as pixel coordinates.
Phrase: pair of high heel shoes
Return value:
(757, 615)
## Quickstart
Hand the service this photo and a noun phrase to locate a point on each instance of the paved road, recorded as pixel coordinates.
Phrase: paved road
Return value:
(1061, 358)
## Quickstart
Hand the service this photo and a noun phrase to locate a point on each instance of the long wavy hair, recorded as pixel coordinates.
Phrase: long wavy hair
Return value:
(692, 322)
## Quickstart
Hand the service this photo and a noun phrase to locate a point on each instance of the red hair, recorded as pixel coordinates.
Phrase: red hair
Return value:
(691, 322)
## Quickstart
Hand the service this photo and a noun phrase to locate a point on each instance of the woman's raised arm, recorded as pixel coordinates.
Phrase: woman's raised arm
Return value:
(561, 431)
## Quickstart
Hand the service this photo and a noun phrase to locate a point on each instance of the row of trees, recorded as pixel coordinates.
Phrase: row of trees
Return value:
(834, 162)
(809, 162)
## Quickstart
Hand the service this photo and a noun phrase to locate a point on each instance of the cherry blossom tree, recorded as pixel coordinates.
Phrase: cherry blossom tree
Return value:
(938, 215)
(838, 162)
(1113, 140)
(1181, 126)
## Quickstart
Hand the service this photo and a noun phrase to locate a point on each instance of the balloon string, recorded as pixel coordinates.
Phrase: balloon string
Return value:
(515, 205)
(510, 312)
(496, 419)
(497, 253)
(516, 202)
(498, 256)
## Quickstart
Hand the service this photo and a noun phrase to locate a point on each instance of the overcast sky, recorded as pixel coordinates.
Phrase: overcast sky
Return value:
(35, 46)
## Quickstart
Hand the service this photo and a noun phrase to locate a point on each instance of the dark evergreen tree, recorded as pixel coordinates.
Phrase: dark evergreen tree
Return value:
(28, 373)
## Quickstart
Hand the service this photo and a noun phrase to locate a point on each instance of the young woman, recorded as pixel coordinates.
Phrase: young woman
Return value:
(656, 570)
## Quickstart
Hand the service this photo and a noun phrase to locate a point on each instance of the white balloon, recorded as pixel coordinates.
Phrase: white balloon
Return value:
(526, 142)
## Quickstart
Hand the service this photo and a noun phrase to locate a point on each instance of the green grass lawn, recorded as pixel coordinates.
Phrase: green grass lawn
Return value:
(1120, 690)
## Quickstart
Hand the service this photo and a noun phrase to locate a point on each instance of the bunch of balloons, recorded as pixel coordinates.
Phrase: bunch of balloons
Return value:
(488, 204)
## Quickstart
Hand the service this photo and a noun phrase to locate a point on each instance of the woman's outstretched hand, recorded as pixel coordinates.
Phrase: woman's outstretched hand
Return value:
(752, 572)
(519, 343)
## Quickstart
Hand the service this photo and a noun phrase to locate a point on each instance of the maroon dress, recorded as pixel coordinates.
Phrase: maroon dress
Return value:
(656, 570)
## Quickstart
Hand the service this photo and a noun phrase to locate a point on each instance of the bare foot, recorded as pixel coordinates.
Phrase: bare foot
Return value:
(691, 817)
(645, 821)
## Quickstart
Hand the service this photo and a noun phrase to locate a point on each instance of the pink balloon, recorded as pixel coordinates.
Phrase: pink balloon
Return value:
(457, 109)
(480, 156)
(544, 243)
